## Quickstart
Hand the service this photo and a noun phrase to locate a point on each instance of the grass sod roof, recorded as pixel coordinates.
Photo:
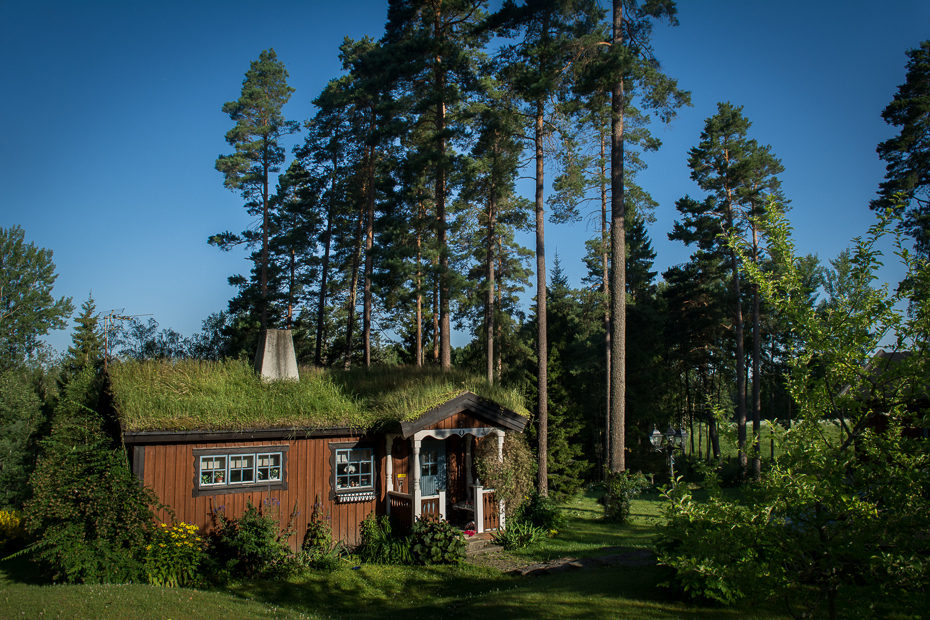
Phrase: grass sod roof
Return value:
(194, 395)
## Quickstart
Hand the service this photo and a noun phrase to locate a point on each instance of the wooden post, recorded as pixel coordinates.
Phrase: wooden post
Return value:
(468, 479)
(500, 457)
(415, 474)
(479, 509)
(389, 466)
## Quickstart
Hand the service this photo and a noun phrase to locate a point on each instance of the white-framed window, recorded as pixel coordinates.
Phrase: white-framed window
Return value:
(228, 470)
(354, 477)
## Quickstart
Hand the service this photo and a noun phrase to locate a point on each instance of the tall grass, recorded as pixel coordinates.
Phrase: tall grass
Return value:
(202, 395)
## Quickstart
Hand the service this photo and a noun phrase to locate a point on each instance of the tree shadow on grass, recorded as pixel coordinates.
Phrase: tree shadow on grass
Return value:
(23, 570)
(425, 592)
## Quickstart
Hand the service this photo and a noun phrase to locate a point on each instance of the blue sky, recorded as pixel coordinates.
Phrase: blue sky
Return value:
(111, 122)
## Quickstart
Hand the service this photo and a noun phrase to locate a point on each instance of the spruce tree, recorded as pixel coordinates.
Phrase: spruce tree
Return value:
(86, 344)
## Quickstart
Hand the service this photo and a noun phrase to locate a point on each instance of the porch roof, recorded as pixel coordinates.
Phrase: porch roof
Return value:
(468, 402)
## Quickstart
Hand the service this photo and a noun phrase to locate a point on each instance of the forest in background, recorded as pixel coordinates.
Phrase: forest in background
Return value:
(397, 217)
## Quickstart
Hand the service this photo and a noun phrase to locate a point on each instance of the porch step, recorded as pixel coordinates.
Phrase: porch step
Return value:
(479, 544)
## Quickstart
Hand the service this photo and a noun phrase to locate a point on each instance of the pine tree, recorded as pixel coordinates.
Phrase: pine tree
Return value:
(548, 31)
(739, 174)
(260, 125)
(907, 155)
(628, 70)
(432, 45)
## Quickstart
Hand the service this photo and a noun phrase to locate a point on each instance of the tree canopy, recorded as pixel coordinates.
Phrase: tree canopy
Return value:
(28, 310)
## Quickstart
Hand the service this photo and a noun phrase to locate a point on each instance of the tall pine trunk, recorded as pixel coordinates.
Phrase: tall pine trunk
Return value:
(489, 316)
(324, 273)
(740, 352)
(436, 318)
(419, 284)
(605, 288)
(353, 292)
(445, 326)
(756, 359)
(369, 259)
(618, 262)
(264, 278)
(542, 344)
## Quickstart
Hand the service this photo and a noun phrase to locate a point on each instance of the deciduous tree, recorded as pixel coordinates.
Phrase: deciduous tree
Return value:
(28, 310)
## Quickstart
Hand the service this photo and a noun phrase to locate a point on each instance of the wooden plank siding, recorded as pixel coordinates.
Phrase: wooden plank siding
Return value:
(462, 419)
(169, 469)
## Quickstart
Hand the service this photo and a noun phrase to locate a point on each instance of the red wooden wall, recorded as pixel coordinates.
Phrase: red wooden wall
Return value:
(169, 470)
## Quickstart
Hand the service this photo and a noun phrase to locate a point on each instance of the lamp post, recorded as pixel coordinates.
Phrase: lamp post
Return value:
(669, 441)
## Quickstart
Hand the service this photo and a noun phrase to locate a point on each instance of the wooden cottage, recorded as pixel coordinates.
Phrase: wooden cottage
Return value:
(214, 437)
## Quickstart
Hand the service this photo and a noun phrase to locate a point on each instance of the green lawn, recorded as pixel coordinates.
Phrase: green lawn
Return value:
(467, 591)
(370, 592)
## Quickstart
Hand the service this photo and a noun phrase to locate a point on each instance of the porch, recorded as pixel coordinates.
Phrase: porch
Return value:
(431, 473)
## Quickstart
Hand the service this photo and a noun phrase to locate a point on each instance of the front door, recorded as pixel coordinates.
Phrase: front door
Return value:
(432, 466)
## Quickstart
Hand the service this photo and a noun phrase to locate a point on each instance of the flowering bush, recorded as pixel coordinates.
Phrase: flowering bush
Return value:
(174, 555)
(11, 528)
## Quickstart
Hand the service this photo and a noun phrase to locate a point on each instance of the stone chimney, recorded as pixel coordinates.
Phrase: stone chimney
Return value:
(275, 358)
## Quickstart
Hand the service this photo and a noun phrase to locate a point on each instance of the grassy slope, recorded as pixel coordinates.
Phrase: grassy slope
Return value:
(199, 395)
(371, 592)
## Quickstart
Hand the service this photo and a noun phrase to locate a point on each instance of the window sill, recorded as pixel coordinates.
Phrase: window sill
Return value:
(239, 488)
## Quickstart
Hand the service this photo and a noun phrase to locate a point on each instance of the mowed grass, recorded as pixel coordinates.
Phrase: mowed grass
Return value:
(374, 592)
(21, 596)
(585, 534)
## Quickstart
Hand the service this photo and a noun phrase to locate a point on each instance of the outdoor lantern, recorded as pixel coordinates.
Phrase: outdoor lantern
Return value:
(683, 438)
(656, 439)
(670, 436)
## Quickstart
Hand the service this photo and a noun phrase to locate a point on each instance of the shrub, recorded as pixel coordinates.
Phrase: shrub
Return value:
(174, 555)
(251, 545)
(542, 512)
(520, 534)
(12, 531)
(90, 516)
(21, 416)
(621, 488)
(512, 479)
(318, 550)
(380, 545)
(436, 542)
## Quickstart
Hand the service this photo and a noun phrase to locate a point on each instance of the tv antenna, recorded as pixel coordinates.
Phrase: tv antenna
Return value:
(108, 320)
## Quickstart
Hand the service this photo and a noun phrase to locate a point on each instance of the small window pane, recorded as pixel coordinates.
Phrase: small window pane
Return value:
(269, 467)
(212, 470)
(241, 468)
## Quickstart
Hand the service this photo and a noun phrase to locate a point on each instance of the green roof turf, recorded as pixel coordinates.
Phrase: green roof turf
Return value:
(195, 395)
